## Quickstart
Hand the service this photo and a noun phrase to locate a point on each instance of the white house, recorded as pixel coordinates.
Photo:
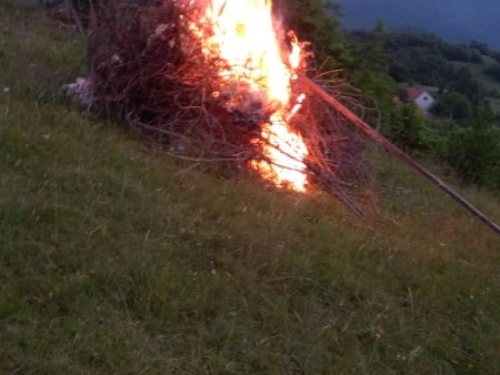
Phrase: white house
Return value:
(421, 98)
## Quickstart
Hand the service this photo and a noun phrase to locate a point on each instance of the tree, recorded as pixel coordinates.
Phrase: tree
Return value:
(454, 106)
(368, 72)
(399, 71)
(496, 56)
(481, 47)
(465, 83)
(315, 21)
(493, 71)
(407, 128)
(474, 151)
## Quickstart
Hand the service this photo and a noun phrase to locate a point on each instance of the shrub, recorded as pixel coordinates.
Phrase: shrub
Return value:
(454, 106)
(407, 128)
(474, 153)
(493, 71)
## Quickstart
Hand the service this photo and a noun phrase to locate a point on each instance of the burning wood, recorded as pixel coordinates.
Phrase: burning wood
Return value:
(221, 78)
(241, 33)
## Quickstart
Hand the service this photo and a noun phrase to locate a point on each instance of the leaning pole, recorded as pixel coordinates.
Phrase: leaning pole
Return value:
(399, 153)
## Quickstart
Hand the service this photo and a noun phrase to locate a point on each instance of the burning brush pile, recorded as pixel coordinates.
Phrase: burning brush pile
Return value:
(220, 81)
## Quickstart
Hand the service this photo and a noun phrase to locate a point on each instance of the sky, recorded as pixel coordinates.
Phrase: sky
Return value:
(455, 20)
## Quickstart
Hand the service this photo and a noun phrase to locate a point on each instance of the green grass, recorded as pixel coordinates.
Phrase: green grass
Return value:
(116, 259)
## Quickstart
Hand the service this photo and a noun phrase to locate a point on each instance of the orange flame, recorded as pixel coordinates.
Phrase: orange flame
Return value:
(243, 35)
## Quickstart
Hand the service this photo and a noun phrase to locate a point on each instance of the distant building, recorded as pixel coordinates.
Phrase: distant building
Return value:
(421, 98)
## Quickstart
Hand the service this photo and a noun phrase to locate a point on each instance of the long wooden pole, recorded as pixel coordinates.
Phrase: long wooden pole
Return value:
(400, 154)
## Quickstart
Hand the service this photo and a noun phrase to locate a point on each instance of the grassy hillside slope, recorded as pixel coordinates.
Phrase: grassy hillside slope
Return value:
(116, 259)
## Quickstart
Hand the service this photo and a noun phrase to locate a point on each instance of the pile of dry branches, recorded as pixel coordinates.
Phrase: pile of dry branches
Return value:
(148, 71)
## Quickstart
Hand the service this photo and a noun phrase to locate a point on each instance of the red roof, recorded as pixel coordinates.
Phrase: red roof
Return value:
(414, 93)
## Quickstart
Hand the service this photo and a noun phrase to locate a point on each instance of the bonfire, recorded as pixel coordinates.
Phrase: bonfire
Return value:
(221, 81)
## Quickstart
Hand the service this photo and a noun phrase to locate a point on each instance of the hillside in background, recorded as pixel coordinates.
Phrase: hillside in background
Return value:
(455, 20)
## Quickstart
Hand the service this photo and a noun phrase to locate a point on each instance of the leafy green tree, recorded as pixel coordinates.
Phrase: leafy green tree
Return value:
(495, 55)
(493, 71)
(318, 22)
(465, 83)
(454, 106)
(407, 128)
(474, 151)
(399, 71)
(369, 73)
(494, 93)
(481, 47)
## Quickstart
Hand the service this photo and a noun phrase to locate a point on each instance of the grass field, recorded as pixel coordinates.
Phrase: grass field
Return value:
(116, 259)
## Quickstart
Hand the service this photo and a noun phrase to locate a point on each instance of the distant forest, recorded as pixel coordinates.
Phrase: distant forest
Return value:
(431, 61)
(463, 127)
